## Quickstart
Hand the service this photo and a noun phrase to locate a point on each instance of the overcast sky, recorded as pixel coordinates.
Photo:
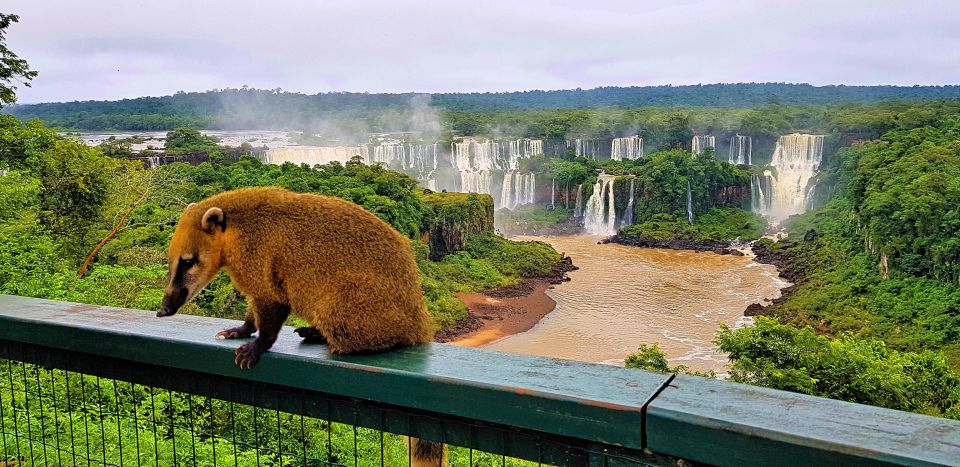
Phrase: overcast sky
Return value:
(110, 49)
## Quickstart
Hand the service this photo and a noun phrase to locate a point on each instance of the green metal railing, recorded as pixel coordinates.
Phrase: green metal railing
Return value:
(90, 385)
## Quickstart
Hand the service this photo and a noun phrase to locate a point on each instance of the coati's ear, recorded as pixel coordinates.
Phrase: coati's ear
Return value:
(189, 206)
(213, 219)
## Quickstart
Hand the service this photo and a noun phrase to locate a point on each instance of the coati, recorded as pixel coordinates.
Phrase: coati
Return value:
(332, 263)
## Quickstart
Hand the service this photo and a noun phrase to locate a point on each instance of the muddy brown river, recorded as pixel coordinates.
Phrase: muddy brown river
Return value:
(624, 296)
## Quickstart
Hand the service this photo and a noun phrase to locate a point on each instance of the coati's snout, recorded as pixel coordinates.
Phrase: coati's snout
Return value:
(194, 257)
(172, 301)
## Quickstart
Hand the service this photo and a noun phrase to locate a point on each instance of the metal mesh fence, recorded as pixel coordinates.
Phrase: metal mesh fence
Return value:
(67, 418)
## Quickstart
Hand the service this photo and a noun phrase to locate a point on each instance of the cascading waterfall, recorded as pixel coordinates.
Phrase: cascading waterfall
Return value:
(796, 158)
(476, 160)
(531, 194)
(154, 162)
(419, 160)
(518, 189)
(702, 142)
(598, 218)
(808, 197)
(628, 216)
(476, 181)
(689, 204)
(578, 204)
(627, 148)
(741, 150)
(506, 192)
(313, 155)
(757, 197)
(519, 149)
(585, 148)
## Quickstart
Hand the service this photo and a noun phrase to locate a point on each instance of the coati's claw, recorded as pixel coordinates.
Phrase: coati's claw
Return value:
(310, 335)
(233, 333)
(247, 355)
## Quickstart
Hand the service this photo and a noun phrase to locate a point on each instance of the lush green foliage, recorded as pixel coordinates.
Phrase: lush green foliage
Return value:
(60, 198)
(846, 368)
(884, 261)
(718, 224)
(188, 139)
(12, 68)
(487, 262)
(473, 113)
(651, 358)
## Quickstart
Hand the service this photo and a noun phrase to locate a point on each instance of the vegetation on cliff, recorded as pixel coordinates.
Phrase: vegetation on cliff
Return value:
(60, 198)
(716, 225)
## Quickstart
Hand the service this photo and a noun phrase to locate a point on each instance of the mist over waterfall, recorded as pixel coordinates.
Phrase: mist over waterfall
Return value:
(599, 215)
(627, 148)
(783, 191)
(701, 142)
(741, 150)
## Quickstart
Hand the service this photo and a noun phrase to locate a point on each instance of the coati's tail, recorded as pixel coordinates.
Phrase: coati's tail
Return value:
(427, 453)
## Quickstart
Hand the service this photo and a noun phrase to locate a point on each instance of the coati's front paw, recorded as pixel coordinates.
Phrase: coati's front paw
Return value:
(247, 355)
(310, 335)
(234, 333)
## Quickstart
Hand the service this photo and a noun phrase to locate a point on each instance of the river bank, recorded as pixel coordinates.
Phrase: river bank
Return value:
(765, 253)
(498, 313)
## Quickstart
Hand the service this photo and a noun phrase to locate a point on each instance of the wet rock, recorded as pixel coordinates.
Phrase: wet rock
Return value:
(720, 248)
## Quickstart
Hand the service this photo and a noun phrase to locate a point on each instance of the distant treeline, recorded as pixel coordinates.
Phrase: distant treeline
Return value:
(249, 108)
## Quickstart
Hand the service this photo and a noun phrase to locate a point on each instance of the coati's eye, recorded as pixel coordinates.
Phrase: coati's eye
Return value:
(187, 262)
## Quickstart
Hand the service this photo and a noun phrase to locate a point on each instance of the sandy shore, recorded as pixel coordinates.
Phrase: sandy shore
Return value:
(493, 316)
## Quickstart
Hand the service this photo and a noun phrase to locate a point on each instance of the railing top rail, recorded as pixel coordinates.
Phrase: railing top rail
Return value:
(710, 421)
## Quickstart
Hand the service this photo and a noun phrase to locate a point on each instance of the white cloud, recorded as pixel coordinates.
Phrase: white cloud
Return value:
(122, 48)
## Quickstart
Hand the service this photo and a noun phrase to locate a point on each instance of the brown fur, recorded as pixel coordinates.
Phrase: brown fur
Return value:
(337, 266)
(340, 268)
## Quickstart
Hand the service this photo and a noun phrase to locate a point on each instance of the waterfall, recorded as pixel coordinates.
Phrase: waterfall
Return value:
(154, 162)
(553, 193)
(741, 150)
(313, 155)
(627, 148)
(518, 189)
(597, 218)
(808, 197)
(757, 200)
(506, 191)
(796, 159)
(701, 142)
(689, 204)
(475, 181)
(531, 188)
(585, 148)
(471, 157)
(578, 203)
(628, 216)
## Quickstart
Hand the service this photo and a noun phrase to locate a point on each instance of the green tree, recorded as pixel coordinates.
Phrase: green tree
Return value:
(13, 69)
(188, 139)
